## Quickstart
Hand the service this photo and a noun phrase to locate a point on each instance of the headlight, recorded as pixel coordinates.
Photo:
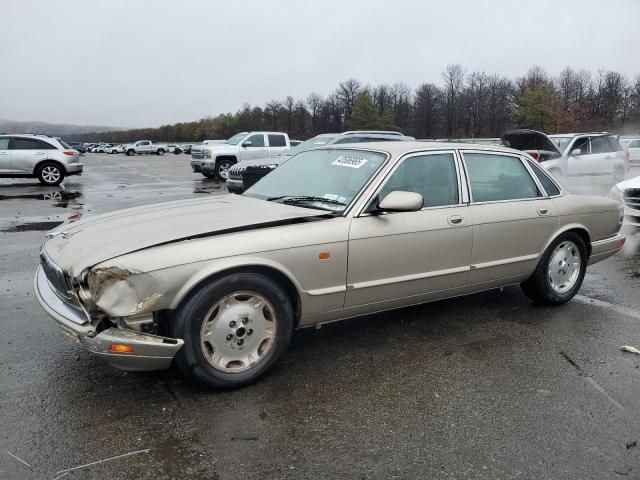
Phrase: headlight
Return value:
(121, 293)
(207, 154)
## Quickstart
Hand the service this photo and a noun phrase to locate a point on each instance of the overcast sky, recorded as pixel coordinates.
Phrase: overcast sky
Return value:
(146, 63)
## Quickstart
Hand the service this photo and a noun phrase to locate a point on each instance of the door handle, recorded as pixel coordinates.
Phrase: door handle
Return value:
(543, 211)
(455, 220)
(39, 153)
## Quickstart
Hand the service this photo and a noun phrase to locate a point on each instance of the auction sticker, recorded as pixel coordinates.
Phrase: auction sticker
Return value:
(351, 162)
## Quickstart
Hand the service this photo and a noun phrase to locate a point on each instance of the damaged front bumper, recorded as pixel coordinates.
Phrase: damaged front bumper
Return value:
(123, 348)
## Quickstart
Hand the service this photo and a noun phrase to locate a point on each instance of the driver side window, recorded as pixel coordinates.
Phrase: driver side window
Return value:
(581, 144)
(256, 140)
(433, 176)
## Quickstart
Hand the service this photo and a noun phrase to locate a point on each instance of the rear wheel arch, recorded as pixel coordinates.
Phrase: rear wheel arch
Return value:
(272, 273)
(42, 163)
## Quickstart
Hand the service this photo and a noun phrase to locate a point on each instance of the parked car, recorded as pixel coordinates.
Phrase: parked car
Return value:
(102, 148)
(627, 193)
(186, 148)
(173, 148)
(247, 172)
(79, 147)
(577, 159)
(633, 149)
(142, 147)
(214, 161)
(219, 284)
(114, 149)
(294, 143)
(46, 158)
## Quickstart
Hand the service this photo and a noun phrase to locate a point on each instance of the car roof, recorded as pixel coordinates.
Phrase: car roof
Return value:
(401, 148)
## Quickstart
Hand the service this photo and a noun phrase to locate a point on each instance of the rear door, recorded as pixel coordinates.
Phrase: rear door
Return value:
(603, 159)
(634, 150)
(512, 218)
(5, 157)
(277, 145)
(27, 152)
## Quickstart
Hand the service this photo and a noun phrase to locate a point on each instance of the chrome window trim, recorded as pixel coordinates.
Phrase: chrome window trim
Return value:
(385, 177)
(502, 154)
(549, 176)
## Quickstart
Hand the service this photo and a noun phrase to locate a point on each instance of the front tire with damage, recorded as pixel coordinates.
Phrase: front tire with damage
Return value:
(234, 329)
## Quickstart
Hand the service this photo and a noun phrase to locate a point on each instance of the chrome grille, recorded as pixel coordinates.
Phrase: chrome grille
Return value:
(55, 275)
(236, 172)
(632, 198)
(197, 155)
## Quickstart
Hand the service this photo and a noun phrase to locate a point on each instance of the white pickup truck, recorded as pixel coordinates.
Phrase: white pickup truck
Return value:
(214, 160)
(146, 146)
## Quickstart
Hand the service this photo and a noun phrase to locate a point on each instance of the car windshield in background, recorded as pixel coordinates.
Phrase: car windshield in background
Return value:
(312, 143)
(561, 142)
(236, 138)
(322, 179)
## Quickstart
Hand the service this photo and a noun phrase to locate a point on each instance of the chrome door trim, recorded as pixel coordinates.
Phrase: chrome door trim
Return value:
(407, 278)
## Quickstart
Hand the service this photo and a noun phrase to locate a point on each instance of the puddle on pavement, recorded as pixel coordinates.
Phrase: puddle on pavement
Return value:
(32, 227)
(59, 198)
(209, 187)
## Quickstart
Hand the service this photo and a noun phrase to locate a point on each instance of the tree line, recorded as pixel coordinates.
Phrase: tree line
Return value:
(462, 105)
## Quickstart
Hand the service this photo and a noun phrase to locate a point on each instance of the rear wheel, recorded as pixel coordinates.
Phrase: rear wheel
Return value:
(234, 329)
(560, 273)
(50, 174)
(131, 152)
(160, 151)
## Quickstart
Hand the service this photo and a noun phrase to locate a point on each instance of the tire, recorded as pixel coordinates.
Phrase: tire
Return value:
(222, 167)
(131, 152)
(177, 151)
(540, 286)
(50, 173)
(219, 346)
(160, 151)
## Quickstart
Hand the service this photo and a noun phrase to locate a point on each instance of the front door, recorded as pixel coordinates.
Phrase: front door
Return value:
(512, 218)
(26, 153)
(408, 257)
(257, 149)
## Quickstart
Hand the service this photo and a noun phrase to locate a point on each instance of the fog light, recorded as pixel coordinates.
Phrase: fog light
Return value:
(119, 348)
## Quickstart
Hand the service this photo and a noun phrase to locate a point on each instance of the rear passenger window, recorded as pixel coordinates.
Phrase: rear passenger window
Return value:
(614, 144)
(29, 144)
(348, 139)
(4, 143)
(600, 145)
(433, 176)
(548, 185)
(277, 141)
(494, 178)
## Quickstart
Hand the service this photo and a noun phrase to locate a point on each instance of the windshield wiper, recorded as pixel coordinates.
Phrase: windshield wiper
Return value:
(301, 199)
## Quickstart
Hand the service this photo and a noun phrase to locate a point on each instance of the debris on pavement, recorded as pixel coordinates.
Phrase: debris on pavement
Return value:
(67, 470)
(19, 459)
(627, 348)
(632, 444)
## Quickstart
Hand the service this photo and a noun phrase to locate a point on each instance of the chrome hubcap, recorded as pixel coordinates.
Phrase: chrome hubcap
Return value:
(564, 267)
(50, 174)
(238, 332)
(223, 170)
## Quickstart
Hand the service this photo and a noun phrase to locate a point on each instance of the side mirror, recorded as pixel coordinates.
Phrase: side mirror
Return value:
(400, 201)
(576, 152)
(246, 143)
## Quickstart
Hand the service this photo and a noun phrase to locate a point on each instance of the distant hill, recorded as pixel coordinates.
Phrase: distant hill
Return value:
(54, 129)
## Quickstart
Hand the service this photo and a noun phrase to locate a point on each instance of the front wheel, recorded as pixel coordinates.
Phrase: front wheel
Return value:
(234, 330)
(222, 169)
(131, 152)
(50, 174)
(560, 273)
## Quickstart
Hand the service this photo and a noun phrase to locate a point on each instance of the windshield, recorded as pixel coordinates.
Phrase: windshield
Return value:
(314, 142)
(561, 142)
(322, 179)
(236, 138)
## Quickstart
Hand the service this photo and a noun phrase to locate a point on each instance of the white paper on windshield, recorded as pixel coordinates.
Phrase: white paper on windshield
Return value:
(351, 162)
(330, 196)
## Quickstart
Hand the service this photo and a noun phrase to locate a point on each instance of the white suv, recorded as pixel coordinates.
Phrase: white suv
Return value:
(576, 159)
(46, 158)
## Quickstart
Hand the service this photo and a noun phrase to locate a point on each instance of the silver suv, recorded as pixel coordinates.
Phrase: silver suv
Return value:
(46, 158)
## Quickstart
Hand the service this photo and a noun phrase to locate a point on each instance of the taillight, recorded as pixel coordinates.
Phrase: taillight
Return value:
(70, 152)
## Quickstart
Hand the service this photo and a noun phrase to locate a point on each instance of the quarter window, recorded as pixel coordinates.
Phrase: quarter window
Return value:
(432, 176)
(548, 185)
(495, 178)
(4, 143)
(277, 141)
(256, 140)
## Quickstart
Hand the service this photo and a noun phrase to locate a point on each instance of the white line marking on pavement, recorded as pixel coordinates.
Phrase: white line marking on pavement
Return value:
(630, 312)
(597, 386)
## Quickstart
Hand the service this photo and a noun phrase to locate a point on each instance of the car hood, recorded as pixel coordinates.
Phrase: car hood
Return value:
(218, 148)
(524, 139)
(86, 243)
(631, 183)
(262, 161)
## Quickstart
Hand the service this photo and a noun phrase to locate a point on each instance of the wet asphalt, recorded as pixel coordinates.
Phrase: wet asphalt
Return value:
(483, 387)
